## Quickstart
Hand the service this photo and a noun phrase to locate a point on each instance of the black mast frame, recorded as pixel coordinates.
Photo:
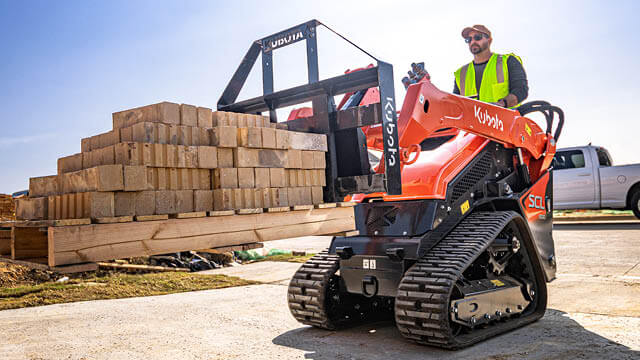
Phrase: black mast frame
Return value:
(348, 170)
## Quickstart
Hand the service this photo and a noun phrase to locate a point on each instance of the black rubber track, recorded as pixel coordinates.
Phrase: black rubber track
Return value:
(308, 290)
(422, 303)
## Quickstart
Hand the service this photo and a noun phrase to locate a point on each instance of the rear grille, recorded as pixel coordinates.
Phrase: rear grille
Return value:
(380, 216)
(478, 171)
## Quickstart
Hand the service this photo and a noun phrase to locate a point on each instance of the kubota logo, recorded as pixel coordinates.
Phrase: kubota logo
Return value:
(389, 112)
(485, 119)
(284, 40)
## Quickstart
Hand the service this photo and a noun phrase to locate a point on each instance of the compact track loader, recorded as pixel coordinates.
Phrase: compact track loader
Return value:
(455, 219)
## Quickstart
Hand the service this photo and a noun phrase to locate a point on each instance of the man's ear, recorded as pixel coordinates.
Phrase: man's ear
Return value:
(490, 40)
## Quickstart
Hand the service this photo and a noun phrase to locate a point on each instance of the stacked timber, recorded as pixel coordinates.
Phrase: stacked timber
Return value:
(167, 158)
(7, 208)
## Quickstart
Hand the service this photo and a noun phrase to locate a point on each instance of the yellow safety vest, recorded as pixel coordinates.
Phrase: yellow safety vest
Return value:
(495, 79)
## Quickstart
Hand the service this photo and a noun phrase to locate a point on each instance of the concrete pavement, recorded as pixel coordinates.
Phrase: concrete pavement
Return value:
(593, 313)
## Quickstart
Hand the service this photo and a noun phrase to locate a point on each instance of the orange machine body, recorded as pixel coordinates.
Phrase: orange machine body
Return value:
(427, 113)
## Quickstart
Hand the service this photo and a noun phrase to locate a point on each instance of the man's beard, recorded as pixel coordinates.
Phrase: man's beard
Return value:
(476, 49)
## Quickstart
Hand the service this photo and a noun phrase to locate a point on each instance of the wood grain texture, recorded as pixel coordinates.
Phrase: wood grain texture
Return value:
(90, 243)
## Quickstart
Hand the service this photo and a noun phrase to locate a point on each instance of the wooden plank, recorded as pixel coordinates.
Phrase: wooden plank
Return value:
(97, 242)
(202, 201)
(249, 137)
(44, 186)
(221, 213)
(162, 246)
(224, 249)
(98, 178)
(265, 158)
(325, 206)
(32, 208)
(302, 207)
(346, 233)
(165, 112)
(277, 209)
(204, 117)
(188, 115)
(347, 204)
(135, 267)
(189, 215)
(28, 243)
(307, 141)
(135, 178)
(76, 268)
(5, 242)
(268, 138)
(151, 217)
(46, 223)
(113, 220)
(224, 136)
(249, 211)
(225, 178)
(66, 164)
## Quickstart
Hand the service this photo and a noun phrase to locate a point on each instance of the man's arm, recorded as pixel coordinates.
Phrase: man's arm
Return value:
(455, 87)
(518, 85)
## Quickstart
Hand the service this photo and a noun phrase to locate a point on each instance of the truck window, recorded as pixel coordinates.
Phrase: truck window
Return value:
(571, 159)
(603, 157)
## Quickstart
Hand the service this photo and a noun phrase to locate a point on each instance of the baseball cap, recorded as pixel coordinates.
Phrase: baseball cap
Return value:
(479, 28)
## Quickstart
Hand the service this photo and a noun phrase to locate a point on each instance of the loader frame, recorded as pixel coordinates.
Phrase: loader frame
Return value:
(348, 170)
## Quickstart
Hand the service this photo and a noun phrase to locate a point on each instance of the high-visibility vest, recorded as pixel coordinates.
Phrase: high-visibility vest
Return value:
(495, 79)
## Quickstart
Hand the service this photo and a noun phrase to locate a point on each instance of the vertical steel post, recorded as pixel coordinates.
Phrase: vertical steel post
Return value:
(389, 129)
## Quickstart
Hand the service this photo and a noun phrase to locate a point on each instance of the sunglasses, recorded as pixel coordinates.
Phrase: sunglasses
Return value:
(476, 37)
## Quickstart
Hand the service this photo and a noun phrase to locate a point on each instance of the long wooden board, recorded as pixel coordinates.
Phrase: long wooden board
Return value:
(98, 242)
(5, 242)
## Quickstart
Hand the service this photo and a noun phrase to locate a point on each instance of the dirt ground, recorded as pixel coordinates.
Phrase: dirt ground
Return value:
(593, 313)
(16, 275)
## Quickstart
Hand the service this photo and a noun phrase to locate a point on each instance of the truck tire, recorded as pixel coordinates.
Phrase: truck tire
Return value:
(635, 203)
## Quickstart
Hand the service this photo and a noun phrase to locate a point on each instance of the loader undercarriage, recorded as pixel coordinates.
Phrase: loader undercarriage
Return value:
(475, 283)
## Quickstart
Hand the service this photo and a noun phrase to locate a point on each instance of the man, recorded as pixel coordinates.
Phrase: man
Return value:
(487, 78)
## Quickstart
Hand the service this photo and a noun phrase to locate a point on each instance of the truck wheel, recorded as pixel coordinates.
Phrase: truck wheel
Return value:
(635, 203)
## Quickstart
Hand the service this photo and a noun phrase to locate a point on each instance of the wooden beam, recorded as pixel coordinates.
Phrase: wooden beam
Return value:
(46, 223)
(224, 249)
(28, 243)
(76, 268)
(89, 243)
(5, 242)
(134, 267)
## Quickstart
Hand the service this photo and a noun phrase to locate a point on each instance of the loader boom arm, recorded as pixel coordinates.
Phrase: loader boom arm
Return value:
(427, 109)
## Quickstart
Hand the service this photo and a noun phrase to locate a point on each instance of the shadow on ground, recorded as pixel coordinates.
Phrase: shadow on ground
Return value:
(555, 336)
(597, 226)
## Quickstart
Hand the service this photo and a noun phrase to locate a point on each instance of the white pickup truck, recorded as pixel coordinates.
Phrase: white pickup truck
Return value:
(584, 178)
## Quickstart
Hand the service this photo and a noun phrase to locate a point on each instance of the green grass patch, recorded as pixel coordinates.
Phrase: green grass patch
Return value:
(287, 258)
(112, 286)
(272, 255)
(588, 212)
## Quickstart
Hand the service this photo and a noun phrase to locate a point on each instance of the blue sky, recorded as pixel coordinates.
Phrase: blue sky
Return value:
(65, 66)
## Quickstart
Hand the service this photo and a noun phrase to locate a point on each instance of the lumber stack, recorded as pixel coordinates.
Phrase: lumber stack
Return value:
(7, 207)
(168, 158)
